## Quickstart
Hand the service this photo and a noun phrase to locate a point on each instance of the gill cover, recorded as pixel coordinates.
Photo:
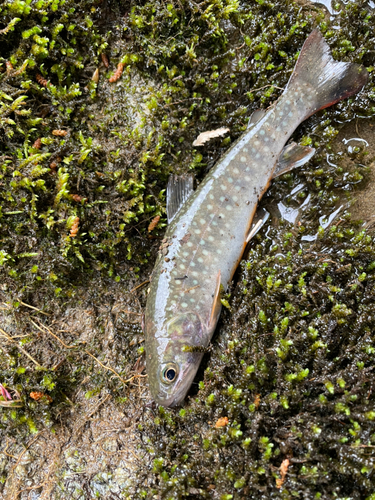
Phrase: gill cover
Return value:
(177, 361)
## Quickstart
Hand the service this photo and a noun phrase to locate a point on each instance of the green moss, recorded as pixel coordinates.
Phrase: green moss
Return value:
(291, 365)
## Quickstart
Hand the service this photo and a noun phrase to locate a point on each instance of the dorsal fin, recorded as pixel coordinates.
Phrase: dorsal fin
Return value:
(178, 191)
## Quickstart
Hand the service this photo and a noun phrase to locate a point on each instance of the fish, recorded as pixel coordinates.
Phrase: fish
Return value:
(209, 228)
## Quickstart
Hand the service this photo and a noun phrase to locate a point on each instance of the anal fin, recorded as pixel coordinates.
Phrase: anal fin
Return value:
(292, 156)
(178, 191)
(259, 220)
(216, 304)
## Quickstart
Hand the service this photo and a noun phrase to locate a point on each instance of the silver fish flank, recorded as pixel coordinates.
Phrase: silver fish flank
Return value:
(208, 234)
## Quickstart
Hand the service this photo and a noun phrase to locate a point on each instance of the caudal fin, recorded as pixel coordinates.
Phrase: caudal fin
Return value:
(330, 81)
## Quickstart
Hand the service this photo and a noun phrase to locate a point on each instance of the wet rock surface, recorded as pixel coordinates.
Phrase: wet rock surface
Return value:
(283, 405)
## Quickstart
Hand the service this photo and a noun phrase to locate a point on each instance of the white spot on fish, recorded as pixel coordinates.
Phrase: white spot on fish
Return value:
(222, 198)
(202, 242)
(178, 282)
(181, 266)
(247, 178)
(229, 208)
(211, 196)
(290, 113)
(245, 149)
(218, 251)
(209, 207)
(235, 170)
(235, 198)
(243, 159)
(229, 179)
(202, 221)
(224, 188)
(184, 304)
(189, 243)
(200, 260)
(197, 231)
(256, 143)
(257, 155)
(192, 300)
(205, 252)
(221, 216)
(211, 238)
(192, 264)
(237, 188)
(195, 282)
(262, 132)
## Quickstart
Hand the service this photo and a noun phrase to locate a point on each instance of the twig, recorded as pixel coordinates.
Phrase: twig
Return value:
(136, 376)
(20, 348)
(107, 367)
(5, 451)
(53, 335)
(25, 450)
(183, 100)
(269, 85)
(35, 308)
(139, 286)
(92, 413)
(30, 488)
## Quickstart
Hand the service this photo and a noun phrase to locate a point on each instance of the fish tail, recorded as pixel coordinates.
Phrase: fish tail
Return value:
(330, 81)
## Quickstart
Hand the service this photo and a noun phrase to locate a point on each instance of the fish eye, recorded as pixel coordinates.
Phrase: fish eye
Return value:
(169, 373)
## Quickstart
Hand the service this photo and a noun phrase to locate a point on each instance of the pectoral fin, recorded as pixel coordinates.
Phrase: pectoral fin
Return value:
(292, 156)
(178, 191)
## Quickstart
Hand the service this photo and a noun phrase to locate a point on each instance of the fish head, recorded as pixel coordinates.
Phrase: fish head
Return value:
(173, 361)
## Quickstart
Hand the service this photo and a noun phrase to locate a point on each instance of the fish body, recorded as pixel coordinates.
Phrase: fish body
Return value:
(206, 239)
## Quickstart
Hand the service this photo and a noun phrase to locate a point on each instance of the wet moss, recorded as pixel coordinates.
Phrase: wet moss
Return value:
(291, 364)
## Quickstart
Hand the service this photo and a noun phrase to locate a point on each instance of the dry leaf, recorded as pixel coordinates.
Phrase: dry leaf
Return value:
(222, 422)
(210, 134)
(283, 471)
(153, 223)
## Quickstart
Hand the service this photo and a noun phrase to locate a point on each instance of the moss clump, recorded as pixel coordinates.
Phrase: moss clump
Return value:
(290, 369)
(76, 204)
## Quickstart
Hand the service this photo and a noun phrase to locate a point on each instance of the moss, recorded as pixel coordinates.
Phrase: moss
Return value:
(291, 365)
